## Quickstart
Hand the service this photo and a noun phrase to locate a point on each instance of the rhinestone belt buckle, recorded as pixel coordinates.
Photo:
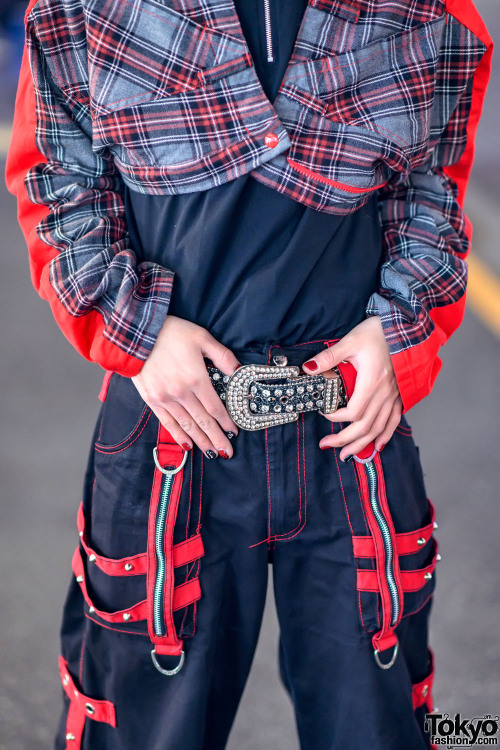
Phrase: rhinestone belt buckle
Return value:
(238, 397)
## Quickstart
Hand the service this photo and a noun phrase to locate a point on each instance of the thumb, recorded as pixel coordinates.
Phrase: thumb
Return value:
(326, 359)
(222, 357)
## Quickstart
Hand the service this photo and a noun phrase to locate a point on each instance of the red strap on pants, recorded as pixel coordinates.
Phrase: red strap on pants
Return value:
(169, 454)
(82, 707)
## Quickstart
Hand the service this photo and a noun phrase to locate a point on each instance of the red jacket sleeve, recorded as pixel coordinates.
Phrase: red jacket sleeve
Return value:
(71, 211)
(426, 235)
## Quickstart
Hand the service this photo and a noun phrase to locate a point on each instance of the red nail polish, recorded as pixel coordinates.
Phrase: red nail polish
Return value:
(325, 447)
(381, 447)
(311, 365)
(186, 446)
(223, 454)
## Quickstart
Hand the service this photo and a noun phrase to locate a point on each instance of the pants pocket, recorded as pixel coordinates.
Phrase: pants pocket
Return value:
(140, 547)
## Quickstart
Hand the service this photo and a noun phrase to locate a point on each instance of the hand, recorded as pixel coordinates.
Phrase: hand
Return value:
(375, 406)
(175, 384)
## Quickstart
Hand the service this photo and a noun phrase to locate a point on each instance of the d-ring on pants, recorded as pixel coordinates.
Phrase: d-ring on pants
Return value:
(172, 568)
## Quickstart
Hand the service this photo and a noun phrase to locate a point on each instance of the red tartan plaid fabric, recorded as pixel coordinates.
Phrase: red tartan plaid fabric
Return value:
(163, 95)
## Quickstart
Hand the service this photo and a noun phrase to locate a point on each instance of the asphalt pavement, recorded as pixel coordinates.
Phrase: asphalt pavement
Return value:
(47, 413)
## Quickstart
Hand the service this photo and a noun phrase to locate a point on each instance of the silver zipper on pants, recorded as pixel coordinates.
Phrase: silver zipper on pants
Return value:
(389, 552)
(158, 620)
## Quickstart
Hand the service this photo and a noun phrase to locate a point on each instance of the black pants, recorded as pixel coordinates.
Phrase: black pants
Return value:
(179, 563)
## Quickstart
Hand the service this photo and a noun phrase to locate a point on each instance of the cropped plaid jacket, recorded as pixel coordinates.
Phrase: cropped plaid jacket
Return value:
(163, 96)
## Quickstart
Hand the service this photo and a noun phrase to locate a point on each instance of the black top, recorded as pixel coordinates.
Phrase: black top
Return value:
(253, 266)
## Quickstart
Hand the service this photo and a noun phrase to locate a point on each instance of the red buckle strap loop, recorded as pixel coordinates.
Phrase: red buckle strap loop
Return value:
(105, 385)
(184, 594)
(412, 580)
(82, 707)
(184, 552)
(407, 543)
(348, 374)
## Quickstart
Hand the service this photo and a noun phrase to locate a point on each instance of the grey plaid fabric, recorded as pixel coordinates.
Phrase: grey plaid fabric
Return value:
(163, 95)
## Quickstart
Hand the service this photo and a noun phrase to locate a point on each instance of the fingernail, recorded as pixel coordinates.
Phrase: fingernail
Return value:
(311, 365)
(186, 446)
(210, 454)
(223, 454)
(324, 447)
(381, 447)
(230, 434)
(347, 459)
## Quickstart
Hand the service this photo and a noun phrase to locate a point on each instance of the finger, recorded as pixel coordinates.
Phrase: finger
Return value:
(367, 389)
(207, 424)
(207, 395)
(326, 359)
(361, 427)
(173, 427)
(222, 357)
(188, 424)
(391, 425)
(354, 447)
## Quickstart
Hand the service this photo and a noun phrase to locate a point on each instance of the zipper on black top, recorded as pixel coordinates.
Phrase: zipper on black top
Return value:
(269, 38)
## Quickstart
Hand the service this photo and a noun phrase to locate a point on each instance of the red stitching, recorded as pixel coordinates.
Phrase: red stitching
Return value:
(372, 560)
(116, 630)
(190, 494)
(80, 671)
(201, 490)
(268, 493)
(403, 431)
(414, 612)
(350, 526)
(341, 483)
(334, 183)
(305, 486)
(400, 43)
(379, 467)
(111, 452)
(200, 27)
(300, 525)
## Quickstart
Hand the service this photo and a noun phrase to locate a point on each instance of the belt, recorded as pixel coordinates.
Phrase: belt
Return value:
(255, 404)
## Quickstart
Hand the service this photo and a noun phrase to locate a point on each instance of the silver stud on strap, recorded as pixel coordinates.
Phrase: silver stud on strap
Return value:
(427, 576)
(127, 616)
(70, 737)
(421, 540)
(128, 566)
(92, 558)
(90, 708)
